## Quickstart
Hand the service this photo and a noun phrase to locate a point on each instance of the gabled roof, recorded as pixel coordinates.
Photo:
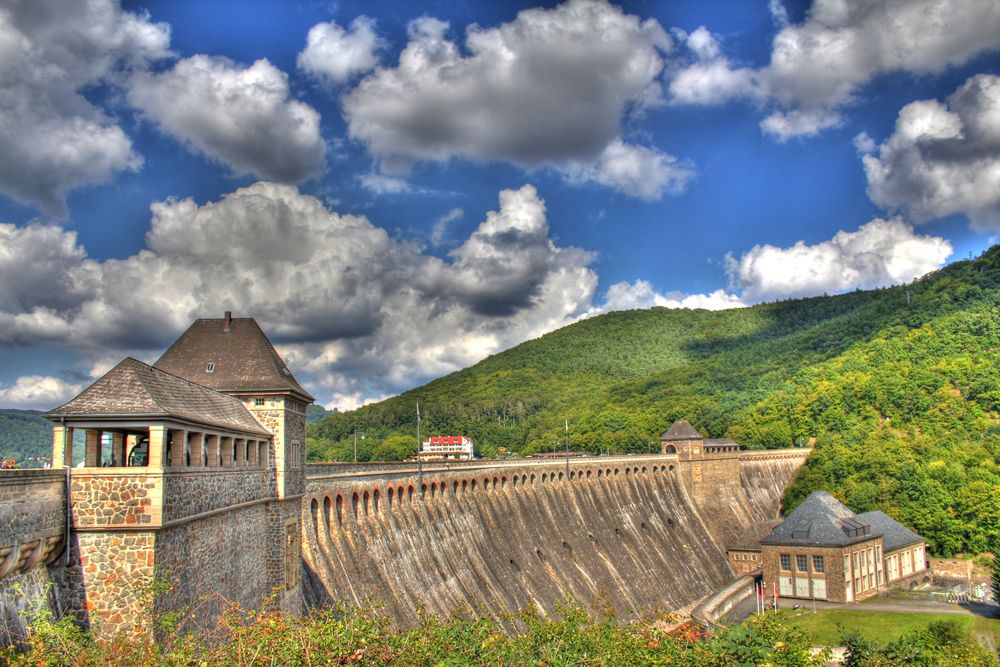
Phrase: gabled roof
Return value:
(135, 389)
(242, 358)
(821, 520)
(894, 534)
(682, 430)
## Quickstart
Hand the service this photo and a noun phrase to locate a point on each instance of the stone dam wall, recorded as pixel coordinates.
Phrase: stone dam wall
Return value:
(640, 533)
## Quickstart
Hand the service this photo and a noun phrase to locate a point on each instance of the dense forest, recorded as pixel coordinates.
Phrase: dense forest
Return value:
(897, 390)
(25, 437)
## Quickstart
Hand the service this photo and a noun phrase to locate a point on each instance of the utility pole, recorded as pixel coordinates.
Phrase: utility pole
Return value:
(420, 465)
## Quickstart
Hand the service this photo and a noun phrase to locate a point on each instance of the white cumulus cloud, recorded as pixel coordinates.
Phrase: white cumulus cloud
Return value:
(52, 138)
(548, 89)
(240, 116)
(879, 253)
(362, 313)
(333, 55)
(641, 295)
(819, 66)
(942, 158)
(38, 392)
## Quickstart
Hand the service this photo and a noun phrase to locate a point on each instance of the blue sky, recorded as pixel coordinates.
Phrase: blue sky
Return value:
(396, 189)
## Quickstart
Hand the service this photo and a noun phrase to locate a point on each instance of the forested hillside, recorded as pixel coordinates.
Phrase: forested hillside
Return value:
(898, 390)
(24, 437)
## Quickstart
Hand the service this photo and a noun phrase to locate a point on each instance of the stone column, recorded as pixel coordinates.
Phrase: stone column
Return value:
(227, 451)
(92, 455)
(212, 446)
(62, 446)
(197, 449)
(241, 452)
(262, 455)
(178, 447)
(157, 445)
(118, 449)
(252, 452)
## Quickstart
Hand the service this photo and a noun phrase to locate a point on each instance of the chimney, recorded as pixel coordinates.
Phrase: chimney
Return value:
(227, 321)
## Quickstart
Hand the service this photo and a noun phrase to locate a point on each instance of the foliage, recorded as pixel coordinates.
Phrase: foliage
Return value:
(995, 577)
(939, 644)
(364, 636)
(25, 437)
(897, 390)
(826, 627)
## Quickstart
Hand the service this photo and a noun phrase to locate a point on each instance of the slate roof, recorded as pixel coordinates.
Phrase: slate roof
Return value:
(682, 430)
(242, 358)
(821, 520)
(721, 441)
(750, 539)
(894, 534)
(135, 389)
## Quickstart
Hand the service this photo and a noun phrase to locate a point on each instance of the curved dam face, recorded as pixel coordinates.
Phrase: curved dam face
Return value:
(639, 534)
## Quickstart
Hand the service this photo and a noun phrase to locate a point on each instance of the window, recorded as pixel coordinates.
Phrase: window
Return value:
(801, 563)
(258, 402)
(818, 565)
(847, 568)
(210, 368)
(786, 561)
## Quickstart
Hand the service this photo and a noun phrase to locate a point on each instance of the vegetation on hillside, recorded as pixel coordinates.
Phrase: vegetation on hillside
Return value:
(348, 635)
(897, 390)
(25, 437)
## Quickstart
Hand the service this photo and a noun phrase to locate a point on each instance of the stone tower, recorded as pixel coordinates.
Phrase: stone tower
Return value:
(192, 474)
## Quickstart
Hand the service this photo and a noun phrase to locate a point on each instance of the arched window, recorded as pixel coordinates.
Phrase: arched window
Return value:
(314, 506)
(454, 489)
(390, 494)
(545, 477)
(340, 510)
(434, 489)
(365, 502)
(532, 478)
(375, 497)
(354, 504)
(670, 449)
(600, 473)
(327, 503)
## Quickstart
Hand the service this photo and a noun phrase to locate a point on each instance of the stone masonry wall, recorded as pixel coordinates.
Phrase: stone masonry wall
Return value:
(214, 560)
(32, 519)
(116, 499)
(195, 492)
(110, 579)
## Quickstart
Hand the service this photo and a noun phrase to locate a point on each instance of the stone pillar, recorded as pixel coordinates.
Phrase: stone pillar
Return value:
(197, 449)
(157, 445)
(62, 446)
(117, 449)
(92, 455)
(252, 452)
(212, 446)
(262, 455)
(178, 447)
(241, 452)
(227, 451)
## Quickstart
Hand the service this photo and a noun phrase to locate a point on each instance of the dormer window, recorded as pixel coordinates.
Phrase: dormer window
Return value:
(210, 368)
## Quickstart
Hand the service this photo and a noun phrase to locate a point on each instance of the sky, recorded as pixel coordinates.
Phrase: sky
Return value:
(396, 190)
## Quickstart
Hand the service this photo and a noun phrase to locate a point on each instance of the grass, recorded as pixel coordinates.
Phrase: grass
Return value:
(826, 628)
